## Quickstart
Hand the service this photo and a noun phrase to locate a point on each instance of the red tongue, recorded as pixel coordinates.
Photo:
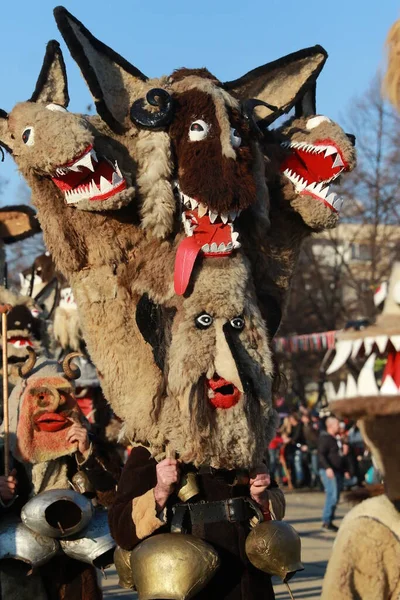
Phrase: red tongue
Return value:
(185, 258)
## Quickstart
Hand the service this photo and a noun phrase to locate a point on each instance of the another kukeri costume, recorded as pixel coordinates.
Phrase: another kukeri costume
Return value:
(366, 553)
(144, 210)
(50, 553)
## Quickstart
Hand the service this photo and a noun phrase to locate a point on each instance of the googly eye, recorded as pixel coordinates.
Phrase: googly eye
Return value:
(198, 130)
(203, 321)
(56, 108)
(236, 140)
(237, 323)
(28, 136)
(315, 121)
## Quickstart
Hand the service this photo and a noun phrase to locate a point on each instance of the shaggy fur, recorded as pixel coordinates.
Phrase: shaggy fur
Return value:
(391, 84)
(366, 554)
(144, 515)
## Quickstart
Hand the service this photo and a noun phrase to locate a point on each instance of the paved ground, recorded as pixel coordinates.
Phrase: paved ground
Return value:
(304, 513)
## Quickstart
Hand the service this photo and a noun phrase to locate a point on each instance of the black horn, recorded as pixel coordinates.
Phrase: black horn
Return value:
(152, 120)
(248, 107)
(71, 371)
(25, 369)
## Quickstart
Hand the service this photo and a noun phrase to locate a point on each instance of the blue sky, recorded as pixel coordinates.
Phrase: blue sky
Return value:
(229, 38)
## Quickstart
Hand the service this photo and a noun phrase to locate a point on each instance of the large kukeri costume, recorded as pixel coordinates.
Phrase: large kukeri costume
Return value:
(158, 214)
(365, 559)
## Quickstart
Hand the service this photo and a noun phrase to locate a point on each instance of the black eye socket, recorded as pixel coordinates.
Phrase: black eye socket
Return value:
(237, 323)
(203, 321)
(26, 135)
(196, 127)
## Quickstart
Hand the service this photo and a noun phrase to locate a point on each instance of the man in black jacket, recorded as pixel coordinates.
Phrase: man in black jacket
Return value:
(331, 469)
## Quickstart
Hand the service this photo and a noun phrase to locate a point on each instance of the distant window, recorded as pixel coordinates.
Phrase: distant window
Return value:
(362, 252)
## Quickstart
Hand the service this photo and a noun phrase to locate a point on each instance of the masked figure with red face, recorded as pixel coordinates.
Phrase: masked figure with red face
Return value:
(50, 450)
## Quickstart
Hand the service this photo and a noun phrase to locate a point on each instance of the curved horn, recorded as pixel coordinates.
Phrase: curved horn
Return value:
(248, 107)
(155, 97)
(25, 369)
(71, 371)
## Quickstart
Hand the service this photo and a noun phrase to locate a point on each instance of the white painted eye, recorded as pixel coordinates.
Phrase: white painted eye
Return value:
(56, 108)
(315, 121)
(28, 136)
(237, 323)
(203, 321)
(236, 140)
(198, 131)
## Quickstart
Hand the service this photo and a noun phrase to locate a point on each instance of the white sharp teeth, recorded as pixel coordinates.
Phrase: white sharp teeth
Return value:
(206, 248)
(389, 388)
(116, 179)
(212, 216)
(221, 247)
(338, 162)
(193, 203)
(395, 339)
(105, 185)
(74, 168)
(329, 151)
(202, 210)
(235, 236)
(368, 345)
(84, 161)
(94, 156)
(381, 342)
(213, 247)
(330, 391)
(357, 344)
(311, 187)
(301, 185)
(343, 351)
(331, 198)
(232, 215)
(319, 188)
(93, 189)
(351, 387)
(324, 192)
(224, 218)
(118, 169)
(341, 393)
(338, 203)
(229, 246)
(366, 385)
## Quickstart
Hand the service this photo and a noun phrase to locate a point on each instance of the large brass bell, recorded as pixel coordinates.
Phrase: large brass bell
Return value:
(275, 548)
(172, 566)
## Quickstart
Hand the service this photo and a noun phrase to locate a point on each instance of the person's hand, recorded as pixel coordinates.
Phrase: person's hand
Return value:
(304, 448)
(259, 482)
(77, 433)
(8, 486)
(167, 476)
(329, 473)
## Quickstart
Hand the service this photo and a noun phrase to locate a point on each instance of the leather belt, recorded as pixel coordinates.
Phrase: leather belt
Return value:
(232, 510)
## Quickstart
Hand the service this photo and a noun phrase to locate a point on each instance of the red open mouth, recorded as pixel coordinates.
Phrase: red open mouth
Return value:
(311, 167)
(207, 232)
(88, 177)
(51, 422)
(20, 342)
(222, 393)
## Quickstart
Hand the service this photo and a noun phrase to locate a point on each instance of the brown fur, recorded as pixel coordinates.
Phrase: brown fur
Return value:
(391, 84)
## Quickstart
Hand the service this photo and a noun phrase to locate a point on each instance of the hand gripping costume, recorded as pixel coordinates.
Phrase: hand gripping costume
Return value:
(159, 212)
(366, 553)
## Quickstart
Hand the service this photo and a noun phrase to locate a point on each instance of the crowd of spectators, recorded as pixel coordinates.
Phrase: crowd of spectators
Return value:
(293, 453)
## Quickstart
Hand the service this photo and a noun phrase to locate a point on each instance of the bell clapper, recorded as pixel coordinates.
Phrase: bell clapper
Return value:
(289, 590)
(60, 527)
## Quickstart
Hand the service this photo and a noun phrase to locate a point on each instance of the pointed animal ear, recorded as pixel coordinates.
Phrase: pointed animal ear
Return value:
(51, 86)
(112, 80)
(281, 83)
(17, 223)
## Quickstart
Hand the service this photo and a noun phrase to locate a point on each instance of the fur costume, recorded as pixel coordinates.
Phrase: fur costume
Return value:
(365, 558)
(42, 407)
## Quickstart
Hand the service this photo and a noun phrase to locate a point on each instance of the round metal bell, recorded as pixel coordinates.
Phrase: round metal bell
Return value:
(57, 513)
(93, 545)
(275, 548)
(172, 566)
(20, 543)
(122, 562)
(188, 487)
